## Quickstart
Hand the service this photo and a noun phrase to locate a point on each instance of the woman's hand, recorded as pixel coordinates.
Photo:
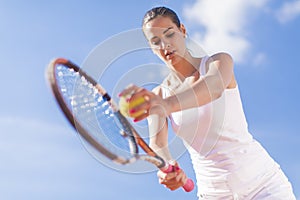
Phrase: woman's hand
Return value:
(153, 103)
(172, 180)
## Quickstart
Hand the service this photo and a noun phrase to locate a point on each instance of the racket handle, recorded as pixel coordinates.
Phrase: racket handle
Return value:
(188, 186)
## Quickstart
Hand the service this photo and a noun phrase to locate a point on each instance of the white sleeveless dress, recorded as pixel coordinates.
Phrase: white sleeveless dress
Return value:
(228, 162)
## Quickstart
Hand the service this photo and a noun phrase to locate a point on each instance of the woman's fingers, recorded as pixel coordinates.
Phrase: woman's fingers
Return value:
(132, 90)
(152, 103)
(172, 180)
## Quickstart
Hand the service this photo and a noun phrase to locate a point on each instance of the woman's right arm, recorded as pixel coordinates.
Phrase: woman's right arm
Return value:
(158, 132)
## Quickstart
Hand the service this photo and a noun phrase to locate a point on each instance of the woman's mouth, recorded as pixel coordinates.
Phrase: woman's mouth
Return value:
(169, 54)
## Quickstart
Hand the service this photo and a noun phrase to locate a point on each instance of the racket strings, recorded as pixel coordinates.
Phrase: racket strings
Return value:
(93, 112)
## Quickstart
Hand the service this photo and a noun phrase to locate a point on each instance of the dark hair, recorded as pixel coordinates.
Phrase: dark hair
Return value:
(161, 11)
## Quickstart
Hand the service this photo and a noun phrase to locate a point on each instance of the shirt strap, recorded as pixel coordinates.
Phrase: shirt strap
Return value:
(203, 65)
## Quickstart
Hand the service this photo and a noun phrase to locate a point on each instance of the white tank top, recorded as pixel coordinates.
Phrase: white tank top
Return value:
(225, 157)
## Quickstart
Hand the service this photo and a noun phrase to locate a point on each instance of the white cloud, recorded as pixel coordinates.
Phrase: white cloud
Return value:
(225, 24)
(288, 11)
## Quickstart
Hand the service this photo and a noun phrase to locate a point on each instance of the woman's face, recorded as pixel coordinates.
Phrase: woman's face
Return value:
(166, 39)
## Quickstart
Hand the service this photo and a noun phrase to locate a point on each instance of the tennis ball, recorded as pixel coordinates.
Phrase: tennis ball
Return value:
(125, 106)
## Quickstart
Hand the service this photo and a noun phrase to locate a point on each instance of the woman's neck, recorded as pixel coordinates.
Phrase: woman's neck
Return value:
(188, 66)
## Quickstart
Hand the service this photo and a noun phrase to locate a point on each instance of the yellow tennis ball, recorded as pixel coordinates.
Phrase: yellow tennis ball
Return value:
(124, 106)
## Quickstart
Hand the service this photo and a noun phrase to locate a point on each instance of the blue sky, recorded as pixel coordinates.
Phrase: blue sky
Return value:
(41, 156)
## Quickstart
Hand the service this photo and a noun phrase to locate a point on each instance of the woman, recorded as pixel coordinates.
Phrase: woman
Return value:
(201, 98)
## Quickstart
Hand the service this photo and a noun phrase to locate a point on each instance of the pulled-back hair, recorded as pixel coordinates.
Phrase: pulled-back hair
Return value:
(161, 11)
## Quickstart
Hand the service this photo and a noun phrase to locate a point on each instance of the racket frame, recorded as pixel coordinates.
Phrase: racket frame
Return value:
(131, 134)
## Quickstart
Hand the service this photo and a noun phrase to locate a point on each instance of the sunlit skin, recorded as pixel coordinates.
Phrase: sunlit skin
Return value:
(167, 41)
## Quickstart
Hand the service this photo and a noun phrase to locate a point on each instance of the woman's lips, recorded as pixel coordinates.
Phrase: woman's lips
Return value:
(169, 55)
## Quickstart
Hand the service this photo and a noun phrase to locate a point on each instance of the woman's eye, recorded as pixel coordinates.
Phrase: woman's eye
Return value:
(170, 35)
(156, 42)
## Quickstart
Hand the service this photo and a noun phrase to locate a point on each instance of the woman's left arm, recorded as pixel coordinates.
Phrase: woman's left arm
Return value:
(218, 77)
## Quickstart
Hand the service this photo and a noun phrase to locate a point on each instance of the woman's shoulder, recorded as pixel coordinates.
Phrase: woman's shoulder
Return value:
(224, 59)
(226, 66)
(223, 56)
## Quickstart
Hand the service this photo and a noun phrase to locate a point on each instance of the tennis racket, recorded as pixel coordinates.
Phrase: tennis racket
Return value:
(92, 112)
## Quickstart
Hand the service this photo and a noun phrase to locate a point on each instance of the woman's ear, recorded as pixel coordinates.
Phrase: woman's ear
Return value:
(183, 30)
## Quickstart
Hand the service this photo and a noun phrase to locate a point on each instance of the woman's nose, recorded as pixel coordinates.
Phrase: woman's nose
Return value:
(165, 45)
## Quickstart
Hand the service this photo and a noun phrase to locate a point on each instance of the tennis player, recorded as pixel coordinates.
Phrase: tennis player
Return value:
(201, 98)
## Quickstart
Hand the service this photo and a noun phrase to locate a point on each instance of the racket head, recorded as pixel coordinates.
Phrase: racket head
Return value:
(91, 112)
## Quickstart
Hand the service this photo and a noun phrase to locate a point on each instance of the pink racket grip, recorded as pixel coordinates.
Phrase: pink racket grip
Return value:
(188, 186)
